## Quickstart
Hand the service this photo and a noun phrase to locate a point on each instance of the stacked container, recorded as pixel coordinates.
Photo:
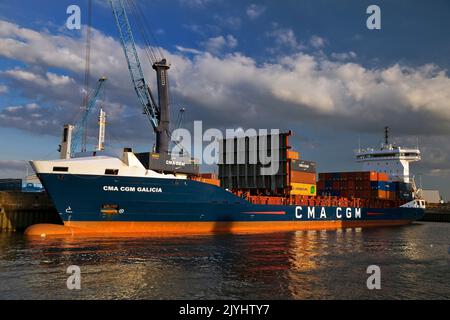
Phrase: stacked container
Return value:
(302, 176)
(364, 184)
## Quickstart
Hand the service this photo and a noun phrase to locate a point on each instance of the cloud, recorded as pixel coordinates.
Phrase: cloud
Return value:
(3, 89)
(14, 168)
(188, 50)
(229, 22)
(317, 42)
(344, 55)
(254, 11)
(14, 165)
(284, 38)
(49, 79)
(217, 44)
(228, 89)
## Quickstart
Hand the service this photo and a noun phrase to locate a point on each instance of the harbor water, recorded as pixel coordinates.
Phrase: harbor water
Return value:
(414, 261)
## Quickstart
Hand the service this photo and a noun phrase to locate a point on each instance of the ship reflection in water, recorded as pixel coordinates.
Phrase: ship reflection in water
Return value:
(414, 263)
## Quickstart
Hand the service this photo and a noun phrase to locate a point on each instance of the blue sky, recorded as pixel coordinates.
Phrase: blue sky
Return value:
(309, 66)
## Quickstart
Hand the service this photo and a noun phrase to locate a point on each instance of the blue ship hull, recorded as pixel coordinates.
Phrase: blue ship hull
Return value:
(93, 204)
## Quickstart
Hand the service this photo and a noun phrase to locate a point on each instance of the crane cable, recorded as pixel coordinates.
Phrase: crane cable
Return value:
(153, 54)
(87, 71)
(148, 30)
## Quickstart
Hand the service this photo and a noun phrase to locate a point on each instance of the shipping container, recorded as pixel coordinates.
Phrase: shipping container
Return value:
(320, 185)
(383, 185)
(303, 177)
(391, 195)
(303, 165)
(303, 189)
(167, 163)
(215, 182)
(240, 166)
(208, 175)
(351, 185)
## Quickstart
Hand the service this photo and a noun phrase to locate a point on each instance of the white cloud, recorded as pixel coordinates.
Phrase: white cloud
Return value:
(297, 87)
(344, 55)
(285, 37)
(188, 50)
(49, 79)
(3, 89)
(317, 42)
(218, 44)
(254, 11)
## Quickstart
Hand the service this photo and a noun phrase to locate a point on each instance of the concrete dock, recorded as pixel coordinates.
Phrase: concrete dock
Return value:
(437, 215)
(19, 210)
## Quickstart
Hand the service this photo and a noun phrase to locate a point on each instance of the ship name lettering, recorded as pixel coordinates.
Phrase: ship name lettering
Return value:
(348, 213)
(110, 188)
(149, 189)
(298, 212)
(311, 212)
(128, 189)
(132, 189)
(323, 213)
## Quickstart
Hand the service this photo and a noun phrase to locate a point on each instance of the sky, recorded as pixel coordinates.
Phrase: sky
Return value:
(312, 67)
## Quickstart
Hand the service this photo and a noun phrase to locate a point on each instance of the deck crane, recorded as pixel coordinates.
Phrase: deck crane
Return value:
(157, 113)
(79, 130)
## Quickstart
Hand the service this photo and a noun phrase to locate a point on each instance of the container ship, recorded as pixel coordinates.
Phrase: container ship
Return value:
(161, 193)
(107, 195)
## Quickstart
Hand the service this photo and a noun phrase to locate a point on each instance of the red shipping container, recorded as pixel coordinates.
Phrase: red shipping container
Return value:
(351, 185)
(320, 184)
(335, 185)
(208, 175)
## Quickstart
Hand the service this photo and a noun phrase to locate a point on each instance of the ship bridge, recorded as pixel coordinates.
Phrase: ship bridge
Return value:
(390, 159)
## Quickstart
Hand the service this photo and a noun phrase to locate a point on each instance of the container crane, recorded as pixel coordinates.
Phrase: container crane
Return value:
(157, 113)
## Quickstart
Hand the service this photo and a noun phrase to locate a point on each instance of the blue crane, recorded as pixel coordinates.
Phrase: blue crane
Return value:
(158, 114)
(81, 128)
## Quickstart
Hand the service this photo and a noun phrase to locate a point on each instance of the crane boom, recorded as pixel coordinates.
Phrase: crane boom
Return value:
(81, 128)
(134, 66)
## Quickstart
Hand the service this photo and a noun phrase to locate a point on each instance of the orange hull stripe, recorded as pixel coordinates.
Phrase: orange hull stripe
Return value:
(165, 228)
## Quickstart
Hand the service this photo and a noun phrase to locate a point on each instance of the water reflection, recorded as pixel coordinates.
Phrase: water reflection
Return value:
(294, 265)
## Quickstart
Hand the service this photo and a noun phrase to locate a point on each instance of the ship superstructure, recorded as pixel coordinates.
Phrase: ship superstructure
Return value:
(390, 159)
